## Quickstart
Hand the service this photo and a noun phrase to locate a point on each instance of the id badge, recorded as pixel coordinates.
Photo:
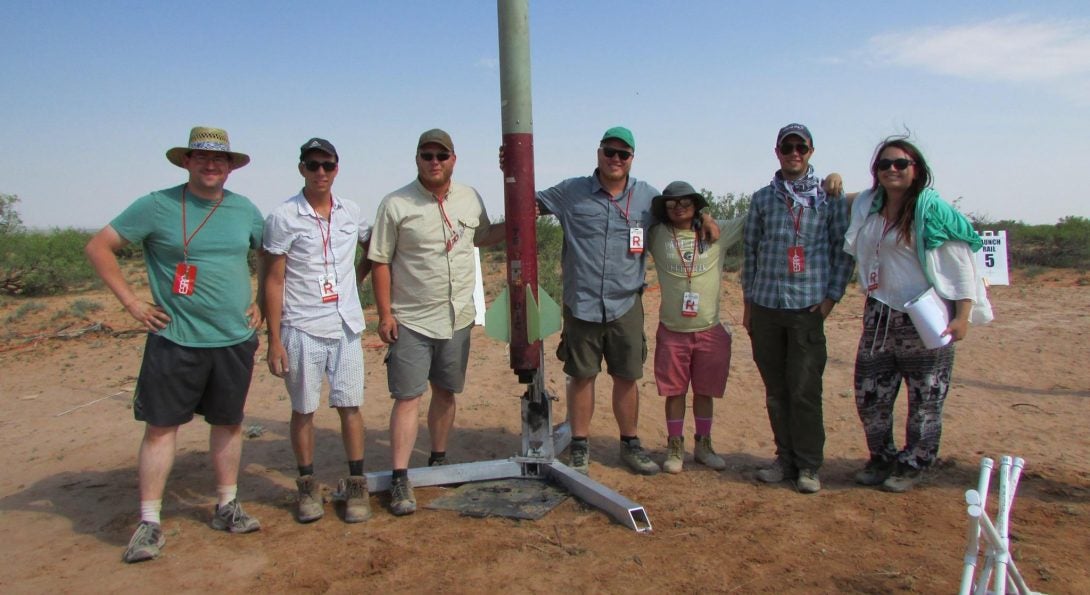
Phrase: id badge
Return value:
(635, 240)
(327, 285)
(796, 259)
(690, 304)
(872, 277)
(185, 279)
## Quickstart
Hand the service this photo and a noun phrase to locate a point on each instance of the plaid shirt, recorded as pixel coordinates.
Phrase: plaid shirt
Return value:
(770, 231)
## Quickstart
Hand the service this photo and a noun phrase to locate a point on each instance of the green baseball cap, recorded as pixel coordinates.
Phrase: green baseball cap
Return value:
(622, 134)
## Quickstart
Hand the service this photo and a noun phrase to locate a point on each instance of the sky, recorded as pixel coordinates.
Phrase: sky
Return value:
(996, 94)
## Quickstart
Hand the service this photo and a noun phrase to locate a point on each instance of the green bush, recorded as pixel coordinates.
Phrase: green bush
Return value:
(550, 243)
(44, 263)
(729, 206)
(82, 308)
(23, 310)
(1065, 244)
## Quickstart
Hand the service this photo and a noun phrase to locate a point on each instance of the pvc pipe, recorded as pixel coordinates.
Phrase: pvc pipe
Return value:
(1002, 516)
(972, 546)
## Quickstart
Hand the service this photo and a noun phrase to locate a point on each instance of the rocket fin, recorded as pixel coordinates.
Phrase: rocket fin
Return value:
(542, 319)
(549, 313)
(497, 318)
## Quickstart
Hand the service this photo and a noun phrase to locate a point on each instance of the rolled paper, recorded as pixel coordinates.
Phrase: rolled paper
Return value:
(930, 315)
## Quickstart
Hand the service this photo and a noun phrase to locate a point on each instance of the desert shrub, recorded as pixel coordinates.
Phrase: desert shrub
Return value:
(44, 263)
(81, 308)
(367, 293)
(550, 243)
(1065, 244)
(10, 221)
(729, 206)
(23, 310)
(550, 240)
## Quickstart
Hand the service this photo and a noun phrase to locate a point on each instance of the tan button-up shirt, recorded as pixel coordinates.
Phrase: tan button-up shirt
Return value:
(428, 244)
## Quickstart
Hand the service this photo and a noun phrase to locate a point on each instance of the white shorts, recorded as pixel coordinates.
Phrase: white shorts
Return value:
(310, 358)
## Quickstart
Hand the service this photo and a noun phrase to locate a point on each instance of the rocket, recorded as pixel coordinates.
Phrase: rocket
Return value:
(521, 315)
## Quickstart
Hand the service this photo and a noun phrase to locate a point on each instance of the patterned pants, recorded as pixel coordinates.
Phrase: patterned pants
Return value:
(890, 349)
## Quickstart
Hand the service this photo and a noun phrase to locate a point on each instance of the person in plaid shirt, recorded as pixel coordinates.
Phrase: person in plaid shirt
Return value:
(795, 270)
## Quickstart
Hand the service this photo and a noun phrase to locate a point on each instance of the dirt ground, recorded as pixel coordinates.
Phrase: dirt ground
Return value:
(68, 500)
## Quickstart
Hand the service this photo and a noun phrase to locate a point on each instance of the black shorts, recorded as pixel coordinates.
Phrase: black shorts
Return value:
(177, 381)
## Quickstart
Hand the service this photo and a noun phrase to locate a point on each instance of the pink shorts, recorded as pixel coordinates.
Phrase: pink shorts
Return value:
(702, 357)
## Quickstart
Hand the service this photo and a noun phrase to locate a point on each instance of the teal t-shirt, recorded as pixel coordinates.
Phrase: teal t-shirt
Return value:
(215, 314)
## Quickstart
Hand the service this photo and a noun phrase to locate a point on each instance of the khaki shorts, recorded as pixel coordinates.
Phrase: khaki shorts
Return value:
(414, 360)
(621, 342)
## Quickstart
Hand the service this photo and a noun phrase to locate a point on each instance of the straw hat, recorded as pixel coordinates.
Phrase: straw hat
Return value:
(202, 138)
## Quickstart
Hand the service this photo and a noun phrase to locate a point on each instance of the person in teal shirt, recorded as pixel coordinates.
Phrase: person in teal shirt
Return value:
(199, 355)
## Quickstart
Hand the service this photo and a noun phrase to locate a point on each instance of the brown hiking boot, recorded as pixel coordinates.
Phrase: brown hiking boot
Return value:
(309, 508)
(357, 502)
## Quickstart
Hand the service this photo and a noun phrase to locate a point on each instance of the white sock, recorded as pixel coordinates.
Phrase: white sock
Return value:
(149, 510)
(226, 493)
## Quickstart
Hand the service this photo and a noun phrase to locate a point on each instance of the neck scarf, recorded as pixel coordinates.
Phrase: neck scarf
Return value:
(806, 191)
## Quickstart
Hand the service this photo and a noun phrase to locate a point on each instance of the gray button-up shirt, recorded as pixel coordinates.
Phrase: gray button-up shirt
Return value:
(602, 278)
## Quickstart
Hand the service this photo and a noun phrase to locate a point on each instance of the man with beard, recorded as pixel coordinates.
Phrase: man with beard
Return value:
(794, 272)
(424, 271)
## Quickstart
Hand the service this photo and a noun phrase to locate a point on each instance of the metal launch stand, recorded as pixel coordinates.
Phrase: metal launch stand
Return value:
(541, 442)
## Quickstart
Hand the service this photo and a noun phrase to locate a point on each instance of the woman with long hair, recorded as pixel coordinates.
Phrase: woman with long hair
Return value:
(907, 240)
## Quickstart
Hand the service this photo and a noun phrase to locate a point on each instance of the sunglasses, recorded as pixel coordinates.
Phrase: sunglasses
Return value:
(610, 153)
(897, 164)
(684, 203)
(313, 165)
(788, 148)
(435, 156)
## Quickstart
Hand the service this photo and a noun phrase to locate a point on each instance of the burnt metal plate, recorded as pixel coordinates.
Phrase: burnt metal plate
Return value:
(527, 499)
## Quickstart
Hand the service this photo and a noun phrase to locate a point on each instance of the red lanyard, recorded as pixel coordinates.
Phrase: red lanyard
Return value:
(443, 212)
(327, 234)
(796, 220)
(187, 239)
(692, 266)
(627, 204)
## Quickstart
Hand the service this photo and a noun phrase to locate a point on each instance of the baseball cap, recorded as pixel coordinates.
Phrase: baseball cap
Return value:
(318, 144)
(796, 129)
(622, 134)
(437, 136)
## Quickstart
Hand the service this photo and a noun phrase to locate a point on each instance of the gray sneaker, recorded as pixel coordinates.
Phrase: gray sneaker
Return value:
(579, 457)
(705, 454)
(633, 455)
(778, 471)
(402, 500)
(675, 455)
(145, 544)
(233, 519)
(808, 482)
(357, 502)
(309, 508)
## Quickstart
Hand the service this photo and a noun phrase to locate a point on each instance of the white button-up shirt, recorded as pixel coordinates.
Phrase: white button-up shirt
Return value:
(294, 229)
